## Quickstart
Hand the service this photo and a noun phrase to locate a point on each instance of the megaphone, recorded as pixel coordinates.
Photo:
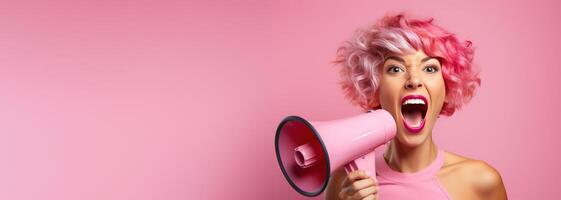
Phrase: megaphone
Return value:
(308, 152)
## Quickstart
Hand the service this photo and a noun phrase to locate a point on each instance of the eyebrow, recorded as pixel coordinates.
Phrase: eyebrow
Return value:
(403, 61)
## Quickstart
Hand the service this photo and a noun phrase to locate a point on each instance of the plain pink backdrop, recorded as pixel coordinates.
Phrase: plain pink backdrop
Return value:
(180, 100)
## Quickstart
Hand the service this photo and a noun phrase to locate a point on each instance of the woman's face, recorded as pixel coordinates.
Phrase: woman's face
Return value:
(412, 89)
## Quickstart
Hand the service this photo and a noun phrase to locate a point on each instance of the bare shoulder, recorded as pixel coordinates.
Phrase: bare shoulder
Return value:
(477, 175)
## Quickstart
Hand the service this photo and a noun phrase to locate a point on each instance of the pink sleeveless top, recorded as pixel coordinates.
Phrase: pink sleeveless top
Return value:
(419, 185)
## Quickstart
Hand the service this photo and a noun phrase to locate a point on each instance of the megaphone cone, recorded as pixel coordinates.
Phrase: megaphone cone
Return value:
(308, 152)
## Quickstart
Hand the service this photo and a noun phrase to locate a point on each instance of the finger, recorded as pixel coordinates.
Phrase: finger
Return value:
(363, 193)
(361, 184)
(370, 197)
(357, 186)
(356, 175)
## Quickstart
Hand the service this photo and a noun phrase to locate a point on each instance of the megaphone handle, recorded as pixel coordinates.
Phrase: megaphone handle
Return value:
(366, 162)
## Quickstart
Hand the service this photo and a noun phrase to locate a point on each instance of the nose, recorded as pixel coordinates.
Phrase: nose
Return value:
(413, 83)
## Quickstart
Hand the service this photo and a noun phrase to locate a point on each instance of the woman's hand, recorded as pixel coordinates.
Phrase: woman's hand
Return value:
(359, 185)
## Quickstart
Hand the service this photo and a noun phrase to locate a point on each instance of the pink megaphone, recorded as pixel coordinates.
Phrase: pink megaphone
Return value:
(308, 152)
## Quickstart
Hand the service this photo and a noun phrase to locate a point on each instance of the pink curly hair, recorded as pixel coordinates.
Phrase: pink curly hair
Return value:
(361, 56)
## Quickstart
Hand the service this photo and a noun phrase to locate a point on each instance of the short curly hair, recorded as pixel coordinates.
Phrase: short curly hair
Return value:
(362, 55)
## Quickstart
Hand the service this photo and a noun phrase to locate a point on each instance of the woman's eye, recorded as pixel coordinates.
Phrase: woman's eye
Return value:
(394, 69)
(431, 69)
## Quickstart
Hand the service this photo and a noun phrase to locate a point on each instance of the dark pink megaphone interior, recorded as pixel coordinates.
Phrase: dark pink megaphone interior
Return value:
(302, 156)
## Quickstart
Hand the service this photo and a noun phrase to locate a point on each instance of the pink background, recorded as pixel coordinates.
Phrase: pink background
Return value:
(180, 100)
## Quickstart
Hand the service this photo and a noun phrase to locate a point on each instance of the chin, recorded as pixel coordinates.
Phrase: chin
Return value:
(405, 138)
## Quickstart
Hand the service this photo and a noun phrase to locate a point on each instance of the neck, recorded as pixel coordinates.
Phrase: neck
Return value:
(407, 159)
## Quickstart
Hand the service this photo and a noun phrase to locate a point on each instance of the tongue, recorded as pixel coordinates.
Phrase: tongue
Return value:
(413, 117)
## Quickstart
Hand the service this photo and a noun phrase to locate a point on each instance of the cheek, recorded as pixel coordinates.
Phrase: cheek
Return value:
(388, 92)
(437, 90)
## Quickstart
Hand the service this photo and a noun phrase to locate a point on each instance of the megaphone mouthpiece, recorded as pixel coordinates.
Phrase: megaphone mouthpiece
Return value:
(305, 155)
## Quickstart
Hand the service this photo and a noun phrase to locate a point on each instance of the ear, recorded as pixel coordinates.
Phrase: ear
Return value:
(374, 103)
(374, 106)
(444, 105)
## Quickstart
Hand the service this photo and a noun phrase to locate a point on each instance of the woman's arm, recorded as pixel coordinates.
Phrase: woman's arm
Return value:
(355, 185)
(334, 185)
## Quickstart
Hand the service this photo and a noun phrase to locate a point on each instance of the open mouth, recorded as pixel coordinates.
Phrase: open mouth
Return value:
(413, 110)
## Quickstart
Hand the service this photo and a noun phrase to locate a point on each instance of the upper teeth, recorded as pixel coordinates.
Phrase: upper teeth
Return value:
(414, 101)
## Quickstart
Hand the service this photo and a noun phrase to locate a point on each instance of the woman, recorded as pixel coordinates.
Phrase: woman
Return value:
(416, 71)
